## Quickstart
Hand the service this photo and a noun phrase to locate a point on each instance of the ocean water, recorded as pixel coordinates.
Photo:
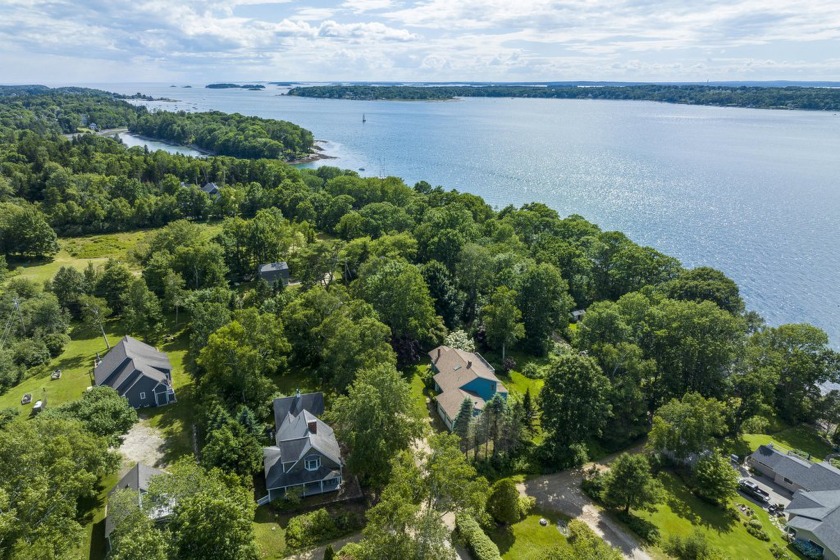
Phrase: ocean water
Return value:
(755, 193)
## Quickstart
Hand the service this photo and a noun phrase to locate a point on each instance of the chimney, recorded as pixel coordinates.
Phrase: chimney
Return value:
(469, 365)
(438, 352)
(313, 427)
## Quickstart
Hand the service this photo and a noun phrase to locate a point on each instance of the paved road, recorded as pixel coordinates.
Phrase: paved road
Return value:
(561, 492)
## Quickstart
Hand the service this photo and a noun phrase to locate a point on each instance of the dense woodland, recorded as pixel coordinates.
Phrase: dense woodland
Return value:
(386, 272)
(791, 97)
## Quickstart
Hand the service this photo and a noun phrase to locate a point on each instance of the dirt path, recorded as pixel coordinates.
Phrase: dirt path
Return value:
(318, 552)
(143, 444)
(561, 492)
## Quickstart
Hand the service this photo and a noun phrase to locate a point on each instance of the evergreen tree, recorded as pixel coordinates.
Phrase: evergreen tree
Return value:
(461, 424)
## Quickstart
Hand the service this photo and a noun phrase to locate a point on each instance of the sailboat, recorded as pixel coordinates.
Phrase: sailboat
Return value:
(364, 120)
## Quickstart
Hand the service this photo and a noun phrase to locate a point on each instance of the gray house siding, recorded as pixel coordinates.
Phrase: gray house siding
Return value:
(142, 393)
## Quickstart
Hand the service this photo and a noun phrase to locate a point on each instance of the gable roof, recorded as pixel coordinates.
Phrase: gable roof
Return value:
(295, 439)
(297, 403)
(127, 361)
(270, 272)
(456, 368)
(819, 514)
(210, 188)
(813, 477)
(136, 479)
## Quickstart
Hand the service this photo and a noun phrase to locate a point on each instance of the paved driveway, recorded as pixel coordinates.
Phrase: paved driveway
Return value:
(561, 492)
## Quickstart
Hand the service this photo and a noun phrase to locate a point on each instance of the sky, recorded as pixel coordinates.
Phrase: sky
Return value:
(200, 41)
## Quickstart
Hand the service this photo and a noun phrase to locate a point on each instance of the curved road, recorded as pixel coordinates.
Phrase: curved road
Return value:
(561, 492)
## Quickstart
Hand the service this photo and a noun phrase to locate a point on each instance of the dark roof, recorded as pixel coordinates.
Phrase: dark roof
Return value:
(127, 361)
(808, 475)
(272, 271)
(210, 188)
(136, 479)
(818, 513)
(295, 440)
(297, 403)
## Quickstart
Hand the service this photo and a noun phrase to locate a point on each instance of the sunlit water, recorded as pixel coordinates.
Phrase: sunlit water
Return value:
(755, 193)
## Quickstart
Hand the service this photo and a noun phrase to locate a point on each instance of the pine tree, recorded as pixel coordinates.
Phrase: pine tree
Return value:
(329, 553)
(461, 425)
(528, 406)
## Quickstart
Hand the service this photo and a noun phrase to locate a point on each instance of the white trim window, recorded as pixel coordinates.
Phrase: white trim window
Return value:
(142, 396)
(312, 463)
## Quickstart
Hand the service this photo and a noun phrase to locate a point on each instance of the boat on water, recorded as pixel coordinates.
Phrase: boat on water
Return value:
(364, 120)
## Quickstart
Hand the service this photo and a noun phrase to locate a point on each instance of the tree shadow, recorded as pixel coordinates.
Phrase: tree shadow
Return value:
(98, 548)
(503, 537)
(175, 421)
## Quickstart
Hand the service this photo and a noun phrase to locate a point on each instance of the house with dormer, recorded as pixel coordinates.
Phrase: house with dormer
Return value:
(306, 454)
(137, 371)
(459, 375)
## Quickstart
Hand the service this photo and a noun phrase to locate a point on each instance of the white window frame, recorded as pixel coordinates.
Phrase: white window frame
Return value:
(308, 462)
(143, 396)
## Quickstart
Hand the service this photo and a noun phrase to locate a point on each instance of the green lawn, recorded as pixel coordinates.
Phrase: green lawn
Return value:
(681, 512)
(270, 536)
(800, 438)
(528, 540)
(76, 364)
(419, 393)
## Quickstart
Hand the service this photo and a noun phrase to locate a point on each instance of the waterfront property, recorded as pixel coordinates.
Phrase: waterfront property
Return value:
(306, 455)
(814, 511)
(137, 480)
(137, 371)
(460, 375)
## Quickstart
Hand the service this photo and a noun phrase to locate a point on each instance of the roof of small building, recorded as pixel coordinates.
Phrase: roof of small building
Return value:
(810, 476)
(210, 188)
(128, 360)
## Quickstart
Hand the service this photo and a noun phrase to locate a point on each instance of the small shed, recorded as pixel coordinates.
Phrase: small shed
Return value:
(272, 272)
(577, 315)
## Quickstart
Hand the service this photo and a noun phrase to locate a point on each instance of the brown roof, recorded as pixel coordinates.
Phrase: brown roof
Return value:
(456, 368)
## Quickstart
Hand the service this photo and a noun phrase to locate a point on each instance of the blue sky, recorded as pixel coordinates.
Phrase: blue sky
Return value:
(60, 41)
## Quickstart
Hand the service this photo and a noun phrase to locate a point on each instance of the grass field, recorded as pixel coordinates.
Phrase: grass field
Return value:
(528, 540)
(270, 535)
(800, 438)
(681, 513)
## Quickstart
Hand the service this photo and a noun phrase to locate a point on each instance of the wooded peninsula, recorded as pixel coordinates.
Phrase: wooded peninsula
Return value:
(436, 355)
(791, 97)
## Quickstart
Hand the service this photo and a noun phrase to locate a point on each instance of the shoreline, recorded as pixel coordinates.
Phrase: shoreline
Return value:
(316, 154)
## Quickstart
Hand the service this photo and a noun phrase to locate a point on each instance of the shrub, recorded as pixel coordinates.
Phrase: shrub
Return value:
(508, 365)
(318, 526)
(526, 504)
(31, 352)
(593, 484)
(779, 553)
(646, 530)
(755, 425)
(478, 543)
(55, 343)
(755, 529)
(808, 549)
(503, 503)
(533, 371)
(693, 547)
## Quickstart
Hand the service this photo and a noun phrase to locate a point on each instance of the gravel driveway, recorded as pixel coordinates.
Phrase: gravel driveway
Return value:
(561, 492)
(142, 444)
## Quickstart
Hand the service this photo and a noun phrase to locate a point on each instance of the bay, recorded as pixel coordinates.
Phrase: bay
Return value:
(755, 193)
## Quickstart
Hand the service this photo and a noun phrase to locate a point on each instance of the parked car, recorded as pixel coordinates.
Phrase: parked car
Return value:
(26, 399)
(750, 488)
(39, 406)
(735, 459)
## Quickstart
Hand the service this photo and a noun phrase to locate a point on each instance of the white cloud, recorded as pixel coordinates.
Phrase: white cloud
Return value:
(424, 39)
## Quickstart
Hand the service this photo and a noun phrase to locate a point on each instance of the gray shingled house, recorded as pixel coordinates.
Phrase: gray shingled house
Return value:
(274, 272)
(814, 511)
(212, 190)
(139, 372)
(306, 454)
(136, 479)
(460, 375)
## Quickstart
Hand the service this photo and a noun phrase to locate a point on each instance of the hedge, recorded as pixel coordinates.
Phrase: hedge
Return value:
(478, 543)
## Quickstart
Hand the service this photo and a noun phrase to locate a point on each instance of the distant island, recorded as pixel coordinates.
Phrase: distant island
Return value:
(790, 97)
(282, 84)
(235, 86)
